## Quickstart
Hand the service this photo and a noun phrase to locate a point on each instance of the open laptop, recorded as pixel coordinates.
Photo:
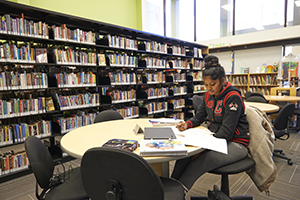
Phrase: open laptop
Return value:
(157, 133)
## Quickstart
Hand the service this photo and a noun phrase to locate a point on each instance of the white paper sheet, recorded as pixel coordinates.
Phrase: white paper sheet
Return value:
(201, 138)
(164, 121)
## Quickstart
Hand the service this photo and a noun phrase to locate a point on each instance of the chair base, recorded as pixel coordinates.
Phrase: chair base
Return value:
(279, 153)
(298, 123)
(245, 197)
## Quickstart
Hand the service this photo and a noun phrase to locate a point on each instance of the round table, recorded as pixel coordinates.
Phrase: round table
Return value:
(292, 99)
(78, 141)
(266, 107)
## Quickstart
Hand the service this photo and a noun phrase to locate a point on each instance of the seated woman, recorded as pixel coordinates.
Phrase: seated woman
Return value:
(224, 107)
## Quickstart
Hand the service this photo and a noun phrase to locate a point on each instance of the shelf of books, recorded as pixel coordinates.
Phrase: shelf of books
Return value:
(254, 82)
(57, 72)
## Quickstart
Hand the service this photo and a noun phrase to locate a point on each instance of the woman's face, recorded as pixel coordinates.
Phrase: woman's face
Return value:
(214, 87)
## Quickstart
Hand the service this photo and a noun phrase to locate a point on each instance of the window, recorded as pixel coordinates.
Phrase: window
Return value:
(180, 19)
(258, 15)
(214, 19)
(186, 20)
(153, 20)
(293, 13)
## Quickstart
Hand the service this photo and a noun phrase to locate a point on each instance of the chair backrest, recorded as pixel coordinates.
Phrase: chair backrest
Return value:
(108, 115)
(284, 117)
(197, 100)
(102, 167)
(255, 98)
(247, 94)
(40, 160)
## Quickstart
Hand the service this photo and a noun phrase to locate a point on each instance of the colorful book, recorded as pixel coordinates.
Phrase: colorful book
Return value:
(129, 145)
(162, 148)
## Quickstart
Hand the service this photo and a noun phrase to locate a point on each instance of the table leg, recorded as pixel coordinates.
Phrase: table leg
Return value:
(162, 169)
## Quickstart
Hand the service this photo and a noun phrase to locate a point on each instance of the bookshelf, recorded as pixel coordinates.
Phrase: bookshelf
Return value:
(254, 82)
(58, 71)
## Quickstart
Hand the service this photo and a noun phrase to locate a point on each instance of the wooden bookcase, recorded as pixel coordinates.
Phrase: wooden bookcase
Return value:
(58, 71)
(254, 82)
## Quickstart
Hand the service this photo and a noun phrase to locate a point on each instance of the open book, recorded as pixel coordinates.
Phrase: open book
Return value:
(162, 148)
(201, 138)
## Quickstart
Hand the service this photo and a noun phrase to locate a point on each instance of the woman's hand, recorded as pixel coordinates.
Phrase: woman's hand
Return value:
(181, 126)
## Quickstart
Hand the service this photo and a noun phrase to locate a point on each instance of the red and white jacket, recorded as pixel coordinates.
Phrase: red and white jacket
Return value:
(226, 114)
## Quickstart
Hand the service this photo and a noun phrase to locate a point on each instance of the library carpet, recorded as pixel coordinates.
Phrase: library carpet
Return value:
(286, 186)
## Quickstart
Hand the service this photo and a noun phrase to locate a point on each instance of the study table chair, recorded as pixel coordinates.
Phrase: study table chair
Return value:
(68, 187)
(197, 100)
(260, 97)
(281, 128)
(108, 115)
(234, 168)
(115, 174)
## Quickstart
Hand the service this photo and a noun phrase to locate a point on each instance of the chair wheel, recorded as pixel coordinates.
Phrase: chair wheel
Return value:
(290, 162)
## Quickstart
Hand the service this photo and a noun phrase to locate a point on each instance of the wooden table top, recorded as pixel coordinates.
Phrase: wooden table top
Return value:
(282, 98)
(266, 107)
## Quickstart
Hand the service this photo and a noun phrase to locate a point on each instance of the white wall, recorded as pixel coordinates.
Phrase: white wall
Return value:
(254, 58)
(251, 58)
(224, 60)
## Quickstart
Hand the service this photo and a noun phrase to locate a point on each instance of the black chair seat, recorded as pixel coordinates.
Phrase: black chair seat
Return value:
(235, 168)
(71, 189)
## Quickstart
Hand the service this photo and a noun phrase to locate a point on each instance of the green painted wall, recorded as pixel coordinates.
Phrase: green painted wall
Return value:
(127, 13)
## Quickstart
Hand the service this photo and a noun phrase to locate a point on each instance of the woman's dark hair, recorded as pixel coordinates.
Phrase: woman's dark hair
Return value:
(212, 68)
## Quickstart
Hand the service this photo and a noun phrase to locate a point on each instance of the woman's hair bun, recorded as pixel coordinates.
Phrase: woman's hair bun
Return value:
(211, 61)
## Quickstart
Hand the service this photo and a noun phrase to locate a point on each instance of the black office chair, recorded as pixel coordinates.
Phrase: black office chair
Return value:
(197, 100)
(281, 128)
(108, 115)
(258, 94)
(115, 174)
(234, 168)
(260, 99)
(60, 188)
(247, 94)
